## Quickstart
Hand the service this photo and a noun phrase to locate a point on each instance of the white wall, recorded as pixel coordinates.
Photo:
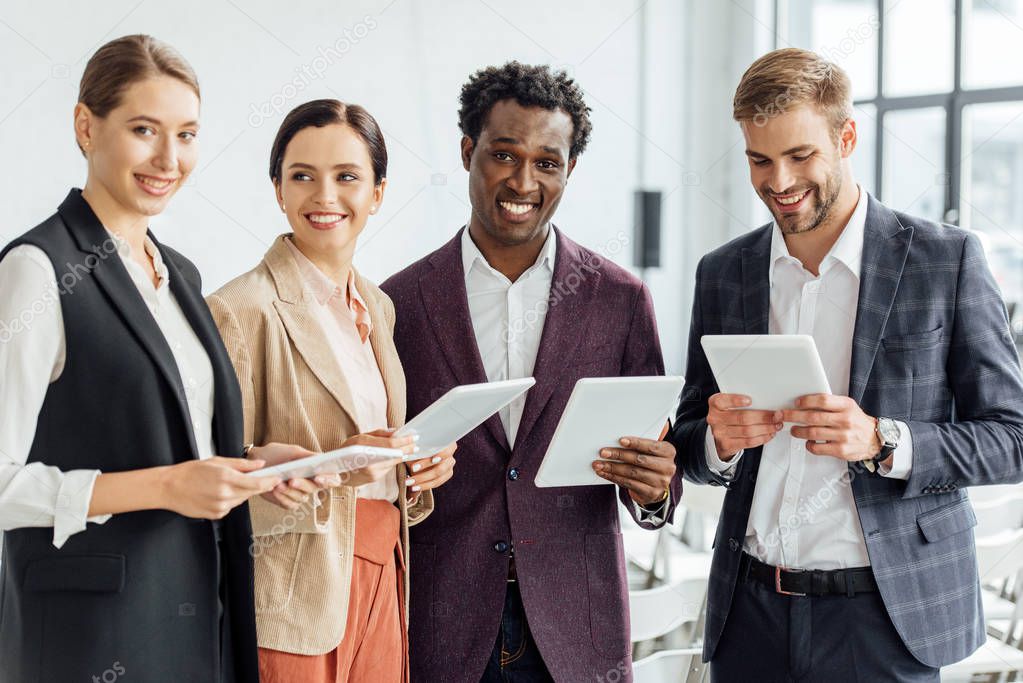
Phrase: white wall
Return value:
(405, 61)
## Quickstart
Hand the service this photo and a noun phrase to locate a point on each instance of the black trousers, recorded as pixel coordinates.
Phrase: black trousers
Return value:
(772, 638)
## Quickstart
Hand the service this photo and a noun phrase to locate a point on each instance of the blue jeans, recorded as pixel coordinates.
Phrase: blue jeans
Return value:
(515, 658)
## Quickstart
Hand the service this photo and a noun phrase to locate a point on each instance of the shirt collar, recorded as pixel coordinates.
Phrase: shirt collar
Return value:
(848, 249)
(471, 254)
(124, 251)
(325, 291)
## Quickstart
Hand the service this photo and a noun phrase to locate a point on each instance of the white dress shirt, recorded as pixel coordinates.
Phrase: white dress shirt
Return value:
(32, 354)
(803, 513)
(508, 319)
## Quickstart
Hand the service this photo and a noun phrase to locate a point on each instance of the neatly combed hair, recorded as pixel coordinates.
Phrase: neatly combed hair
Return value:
(791, 77)
(124, 61)
(530, 86)
(320, 113)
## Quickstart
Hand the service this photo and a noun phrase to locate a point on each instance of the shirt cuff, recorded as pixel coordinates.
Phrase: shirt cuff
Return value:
(902, 458)
(716, 464)
(655, 516)
(72, 505)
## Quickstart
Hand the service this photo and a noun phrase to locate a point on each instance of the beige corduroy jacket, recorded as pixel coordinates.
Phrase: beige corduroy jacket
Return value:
(294, 392)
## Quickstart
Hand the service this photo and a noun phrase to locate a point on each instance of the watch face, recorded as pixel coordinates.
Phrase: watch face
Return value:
(889, 430)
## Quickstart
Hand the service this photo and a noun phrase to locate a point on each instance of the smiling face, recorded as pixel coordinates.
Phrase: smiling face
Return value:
(142, 152)
(517, 171)
(798, 167)
(327, 189)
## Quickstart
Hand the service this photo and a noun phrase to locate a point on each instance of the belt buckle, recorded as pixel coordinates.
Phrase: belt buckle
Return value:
(777, 583)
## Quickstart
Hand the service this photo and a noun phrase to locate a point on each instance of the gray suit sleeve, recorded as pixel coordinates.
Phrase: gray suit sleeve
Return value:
(984, 445)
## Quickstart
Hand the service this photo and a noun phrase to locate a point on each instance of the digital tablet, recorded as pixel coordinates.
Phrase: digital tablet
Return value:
(460, 411)
(600, 411)
(335, 462)
(772, 369)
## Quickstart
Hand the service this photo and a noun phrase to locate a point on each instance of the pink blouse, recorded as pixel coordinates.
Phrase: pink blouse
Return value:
(346, 324)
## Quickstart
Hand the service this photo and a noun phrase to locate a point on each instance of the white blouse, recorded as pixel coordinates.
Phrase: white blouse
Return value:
(32, 354)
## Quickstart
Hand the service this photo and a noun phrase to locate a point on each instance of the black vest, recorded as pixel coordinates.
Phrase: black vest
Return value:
(137, 596)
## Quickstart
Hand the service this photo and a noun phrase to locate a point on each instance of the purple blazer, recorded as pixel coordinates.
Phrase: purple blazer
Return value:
(567, 541)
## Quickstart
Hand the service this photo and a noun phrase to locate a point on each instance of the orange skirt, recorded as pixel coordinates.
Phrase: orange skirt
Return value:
(375, 645)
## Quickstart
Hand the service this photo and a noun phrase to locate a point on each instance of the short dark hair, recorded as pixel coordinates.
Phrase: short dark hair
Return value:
(530, 86)
(320, 113)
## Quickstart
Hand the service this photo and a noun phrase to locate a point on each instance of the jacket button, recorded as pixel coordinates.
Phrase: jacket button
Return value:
(733, 544)
(501, 547)
(513, 473)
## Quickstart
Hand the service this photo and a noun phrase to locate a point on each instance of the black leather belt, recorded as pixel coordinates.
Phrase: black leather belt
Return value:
(801, 582)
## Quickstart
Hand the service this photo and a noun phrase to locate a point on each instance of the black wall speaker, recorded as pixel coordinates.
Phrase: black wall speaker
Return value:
(648, 229)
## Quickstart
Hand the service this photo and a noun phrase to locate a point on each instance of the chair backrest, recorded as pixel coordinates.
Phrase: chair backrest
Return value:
(1000, 556)
(980, 494)
(995, 515)
(705, 499)
(667, 666)
(655, 612)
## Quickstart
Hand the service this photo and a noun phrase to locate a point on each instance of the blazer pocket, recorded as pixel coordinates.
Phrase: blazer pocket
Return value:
(947, 520)
(277, 560)
(915, 340)
(86, 573)
(605, 579)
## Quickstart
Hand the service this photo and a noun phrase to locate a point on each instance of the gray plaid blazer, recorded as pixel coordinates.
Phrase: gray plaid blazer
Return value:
(931, 347)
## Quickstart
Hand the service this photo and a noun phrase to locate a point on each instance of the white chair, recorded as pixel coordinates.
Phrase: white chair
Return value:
(697, 516)
(655, 612)
(995, 515)
(667, 666)
(998, 557)
(982, 493)
(994, 657)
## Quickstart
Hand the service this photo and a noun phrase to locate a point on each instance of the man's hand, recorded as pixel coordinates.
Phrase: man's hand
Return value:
(847, 432)
(645, 469)
(736, 430)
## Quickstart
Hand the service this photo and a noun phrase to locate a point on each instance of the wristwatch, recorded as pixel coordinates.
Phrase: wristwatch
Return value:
(888, 433)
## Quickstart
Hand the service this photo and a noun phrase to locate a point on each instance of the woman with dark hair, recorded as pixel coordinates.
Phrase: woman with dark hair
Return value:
(311, 341)
(126, 544)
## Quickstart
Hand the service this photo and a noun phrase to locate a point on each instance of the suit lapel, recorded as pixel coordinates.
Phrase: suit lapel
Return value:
(756, 287)
(112, 276)
(567, 315)
(304, 330)
(885, 248)
(446, 303)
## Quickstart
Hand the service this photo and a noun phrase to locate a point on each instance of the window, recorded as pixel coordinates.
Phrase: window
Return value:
(939, 107)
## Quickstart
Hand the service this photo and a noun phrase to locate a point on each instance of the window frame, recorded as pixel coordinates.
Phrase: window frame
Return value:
(953, 103)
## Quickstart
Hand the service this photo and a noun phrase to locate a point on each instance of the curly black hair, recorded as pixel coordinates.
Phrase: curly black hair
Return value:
(530, 86)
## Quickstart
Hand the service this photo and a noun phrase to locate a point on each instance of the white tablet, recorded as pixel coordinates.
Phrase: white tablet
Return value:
(600, 411)
(772, 369)
(335, 462)
(460, 411)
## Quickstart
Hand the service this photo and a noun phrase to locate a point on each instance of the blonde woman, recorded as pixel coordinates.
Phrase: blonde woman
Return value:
(122, 486)
(311, 341)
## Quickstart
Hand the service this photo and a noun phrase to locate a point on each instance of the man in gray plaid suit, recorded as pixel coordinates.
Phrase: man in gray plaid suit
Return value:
(845, 548)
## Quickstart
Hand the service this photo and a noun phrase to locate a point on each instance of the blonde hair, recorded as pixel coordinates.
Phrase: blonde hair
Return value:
(121, 63)
(790, 77)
